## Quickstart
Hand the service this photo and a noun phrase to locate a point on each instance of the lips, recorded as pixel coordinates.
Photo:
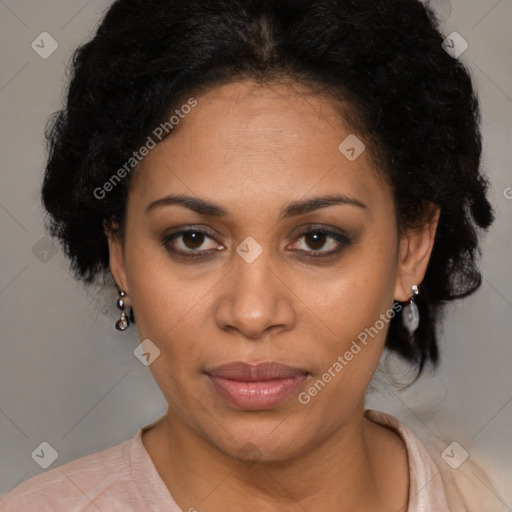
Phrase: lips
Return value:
(245, 372)
(255, 387)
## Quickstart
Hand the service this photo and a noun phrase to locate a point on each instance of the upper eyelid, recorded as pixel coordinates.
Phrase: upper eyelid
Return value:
(302, 232)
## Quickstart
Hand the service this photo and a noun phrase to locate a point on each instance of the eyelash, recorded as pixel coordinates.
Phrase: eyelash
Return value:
(343, 239)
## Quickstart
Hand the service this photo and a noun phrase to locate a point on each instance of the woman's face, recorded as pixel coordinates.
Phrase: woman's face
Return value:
(254, 280)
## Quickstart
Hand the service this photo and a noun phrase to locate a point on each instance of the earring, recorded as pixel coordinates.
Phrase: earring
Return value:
(123, 322)
(410, 314)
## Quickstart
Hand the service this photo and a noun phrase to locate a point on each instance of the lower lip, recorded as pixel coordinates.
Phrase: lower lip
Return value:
(256, 395)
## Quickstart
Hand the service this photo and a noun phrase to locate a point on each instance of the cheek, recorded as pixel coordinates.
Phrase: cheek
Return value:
(357, 308)
(172, 305)
(158, 297)
(352, 297)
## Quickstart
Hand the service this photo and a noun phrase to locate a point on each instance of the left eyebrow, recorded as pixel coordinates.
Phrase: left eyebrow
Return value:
(201, 206)
(295, 208)
(315, 203)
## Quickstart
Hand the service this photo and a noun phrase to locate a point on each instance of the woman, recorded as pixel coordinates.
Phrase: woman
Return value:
(281, 189)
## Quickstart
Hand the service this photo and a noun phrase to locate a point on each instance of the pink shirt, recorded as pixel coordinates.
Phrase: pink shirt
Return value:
(123, 479)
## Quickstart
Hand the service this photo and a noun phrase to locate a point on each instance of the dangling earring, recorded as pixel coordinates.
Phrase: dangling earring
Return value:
(123, 322)
(410, 314)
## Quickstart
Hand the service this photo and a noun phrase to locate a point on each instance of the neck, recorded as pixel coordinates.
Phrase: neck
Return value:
(339, 473)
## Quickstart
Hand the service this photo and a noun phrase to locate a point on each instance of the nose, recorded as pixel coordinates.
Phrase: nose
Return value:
(254, 300)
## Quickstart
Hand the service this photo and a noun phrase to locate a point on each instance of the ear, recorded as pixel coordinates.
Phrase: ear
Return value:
(414, 254)
(116, 254)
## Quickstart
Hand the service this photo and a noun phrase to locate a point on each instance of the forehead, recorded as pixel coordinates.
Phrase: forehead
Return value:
(252, 144)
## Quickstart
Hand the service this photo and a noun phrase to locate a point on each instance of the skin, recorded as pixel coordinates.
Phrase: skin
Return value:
(252, 150)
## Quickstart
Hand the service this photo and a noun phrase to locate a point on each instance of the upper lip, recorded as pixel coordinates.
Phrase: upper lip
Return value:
(268, 370)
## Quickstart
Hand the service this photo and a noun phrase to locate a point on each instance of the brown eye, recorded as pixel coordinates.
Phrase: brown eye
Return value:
(315, 239)
(321, 242)
(190, 243)
(193, 239)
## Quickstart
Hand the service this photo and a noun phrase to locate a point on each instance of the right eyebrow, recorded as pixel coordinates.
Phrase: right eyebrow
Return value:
(295, 208)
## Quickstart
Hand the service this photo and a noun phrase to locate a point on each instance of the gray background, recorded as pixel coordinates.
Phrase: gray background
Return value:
(70, 379)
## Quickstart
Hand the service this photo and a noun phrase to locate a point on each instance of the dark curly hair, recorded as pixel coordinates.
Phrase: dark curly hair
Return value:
(380, 60)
